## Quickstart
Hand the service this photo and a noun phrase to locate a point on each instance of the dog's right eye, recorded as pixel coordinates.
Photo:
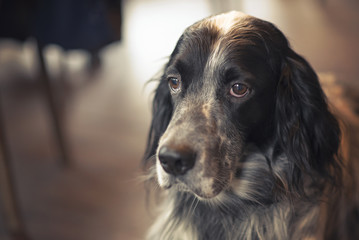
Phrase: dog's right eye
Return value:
(174, 83)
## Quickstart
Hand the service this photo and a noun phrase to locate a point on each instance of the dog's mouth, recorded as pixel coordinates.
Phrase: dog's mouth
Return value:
(204, 190)
(204, 167)
(203, 183)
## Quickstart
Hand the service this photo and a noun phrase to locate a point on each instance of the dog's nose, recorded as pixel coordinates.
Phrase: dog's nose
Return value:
(176, 162)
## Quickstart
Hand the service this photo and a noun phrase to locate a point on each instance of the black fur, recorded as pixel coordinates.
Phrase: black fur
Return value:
(272, 155)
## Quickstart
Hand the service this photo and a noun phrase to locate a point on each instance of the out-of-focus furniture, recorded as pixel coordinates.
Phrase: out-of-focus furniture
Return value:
(12, 213)
(80, 24)
(7, 190)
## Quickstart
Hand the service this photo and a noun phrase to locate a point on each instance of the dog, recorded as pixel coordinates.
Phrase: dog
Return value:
(243, 142)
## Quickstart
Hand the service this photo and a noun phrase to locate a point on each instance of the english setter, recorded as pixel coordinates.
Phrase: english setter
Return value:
(242, 140)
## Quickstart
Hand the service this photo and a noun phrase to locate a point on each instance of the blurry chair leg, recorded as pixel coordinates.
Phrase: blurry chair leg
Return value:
(7, 190)
(53, 106)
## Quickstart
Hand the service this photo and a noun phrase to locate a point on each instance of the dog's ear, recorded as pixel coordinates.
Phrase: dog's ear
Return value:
(307, 131)
(161, 114)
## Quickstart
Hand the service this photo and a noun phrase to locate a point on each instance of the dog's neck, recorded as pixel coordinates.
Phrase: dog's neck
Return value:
(232, 216)
(186, 217)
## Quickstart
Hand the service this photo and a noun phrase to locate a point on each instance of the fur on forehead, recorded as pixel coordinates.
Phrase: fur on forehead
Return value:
(223, 22)
(226, 40)
(233, 37)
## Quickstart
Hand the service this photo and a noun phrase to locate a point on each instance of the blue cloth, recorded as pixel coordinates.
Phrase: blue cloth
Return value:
(73, 24)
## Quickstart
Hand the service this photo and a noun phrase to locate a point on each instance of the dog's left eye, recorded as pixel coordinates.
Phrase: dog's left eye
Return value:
(239, 90)
(174, 83)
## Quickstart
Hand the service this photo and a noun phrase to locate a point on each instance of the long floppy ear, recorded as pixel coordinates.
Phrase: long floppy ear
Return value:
(308, 133)
(161, 114)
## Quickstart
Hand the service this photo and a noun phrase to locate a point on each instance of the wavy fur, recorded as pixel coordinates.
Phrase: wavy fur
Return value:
(266, 165)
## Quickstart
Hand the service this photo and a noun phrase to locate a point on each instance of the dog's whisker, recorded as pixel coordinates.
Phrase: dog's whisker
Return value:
(193, 207)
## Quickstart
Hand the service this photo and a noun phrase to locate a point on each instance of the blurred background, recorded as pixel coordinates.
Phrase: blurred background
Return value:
(75, 108)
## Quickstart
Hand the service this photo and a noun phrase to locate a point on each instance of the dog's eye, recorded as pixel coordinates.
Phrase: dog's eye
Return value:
(239, 90)
(174, 84)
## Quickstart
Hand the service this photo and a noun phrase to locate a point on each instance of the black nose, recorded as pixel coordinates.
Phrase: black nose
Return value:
(176, 162)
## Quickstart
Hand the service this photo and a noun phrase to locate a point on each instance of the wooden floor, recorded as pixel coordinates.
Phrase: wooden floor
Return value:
(107, 112)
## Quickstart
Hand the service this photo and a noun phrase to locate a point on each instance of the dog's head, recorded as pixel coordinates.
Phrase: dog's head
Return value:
(233, 81)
